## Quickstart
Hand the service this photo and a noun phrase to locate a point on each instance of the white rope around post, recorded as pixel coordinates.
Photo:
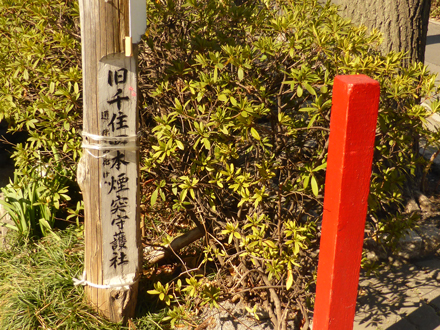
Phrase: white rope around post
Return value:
(83, 281)
(110, 142)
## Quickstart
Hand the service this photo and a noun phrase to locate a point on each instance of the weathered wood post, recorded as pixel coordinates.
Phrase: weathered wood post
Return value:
(350, 155)
(108, 170)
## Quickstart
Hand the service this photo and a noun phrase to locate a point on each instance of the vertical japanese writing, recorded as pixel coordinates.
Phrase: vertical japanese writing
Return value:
(117, 122)
(114, 165)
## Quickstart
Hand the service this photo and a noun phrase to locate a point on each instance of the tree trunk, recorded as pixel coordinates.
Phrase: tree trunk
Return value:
(403, 23)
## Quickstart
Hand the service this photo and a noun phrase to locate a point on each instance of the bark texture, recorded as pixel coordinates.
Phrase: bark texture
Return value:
(403, 23)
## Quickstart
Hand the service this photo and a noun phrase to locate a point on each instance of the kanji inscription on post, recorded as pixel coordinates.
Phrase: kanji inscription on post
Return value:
(117, 99)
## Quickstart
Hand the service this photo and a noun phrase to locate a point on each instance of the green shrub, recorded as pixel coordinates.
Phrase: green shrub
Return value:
(33, 202)
(238, 101)
(40, 87)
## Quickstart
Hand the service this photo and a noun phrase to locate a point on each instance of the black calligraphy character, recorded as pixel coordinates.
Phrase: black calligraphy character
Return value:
(123, 142)
(118, 160)
(119, 204)
(121, 240)
(119, 184)
(118, 99)
(114, 244)
(118, 259)
(105, 174)
(104, 115)
(122, 182)
(119, 75)
(105, 162)
(122, 259)
(105, 132)
(117, 208)
(119, 221)
(121, 121)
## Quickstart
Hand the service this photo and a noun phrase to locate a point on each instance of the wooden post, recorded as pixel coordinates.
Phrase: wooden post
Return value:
(350, 154)
(108, 170)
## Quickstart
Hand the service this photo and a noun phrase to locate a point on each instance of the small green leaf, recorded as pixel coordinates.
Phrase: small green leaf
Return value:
(270, 244)
(289, 281)
(183, 194)
(311, 122)
(306, 181)
(154, 197)
(180, 145)
(207, 144)
(299, 91)
(320, 167)
(215, 74)
(240, 73)
(314, 184)
(309, 89)
(255, 134)
(223, 98)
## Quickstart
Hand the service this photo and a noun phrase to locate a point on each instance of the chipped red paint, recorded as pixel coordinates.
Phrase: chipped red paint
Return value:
(350, 155)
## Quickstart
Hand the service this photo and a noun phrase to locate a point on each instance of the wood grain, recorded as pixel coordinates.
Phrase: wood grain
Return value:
(103, 29)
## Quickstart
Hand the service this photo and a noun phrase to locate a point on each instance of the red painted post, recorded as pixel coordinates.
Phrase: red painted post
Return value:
(350, 155)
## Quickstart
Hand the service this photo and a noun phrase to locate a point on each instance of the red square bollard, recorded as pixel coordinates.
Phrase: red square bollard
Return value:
(347, 185)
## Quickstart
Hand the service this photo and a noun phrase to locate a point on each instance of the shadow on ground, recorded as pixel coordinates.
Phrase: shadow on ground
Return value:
(420, 319)
(401, 298)
(431, 40)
